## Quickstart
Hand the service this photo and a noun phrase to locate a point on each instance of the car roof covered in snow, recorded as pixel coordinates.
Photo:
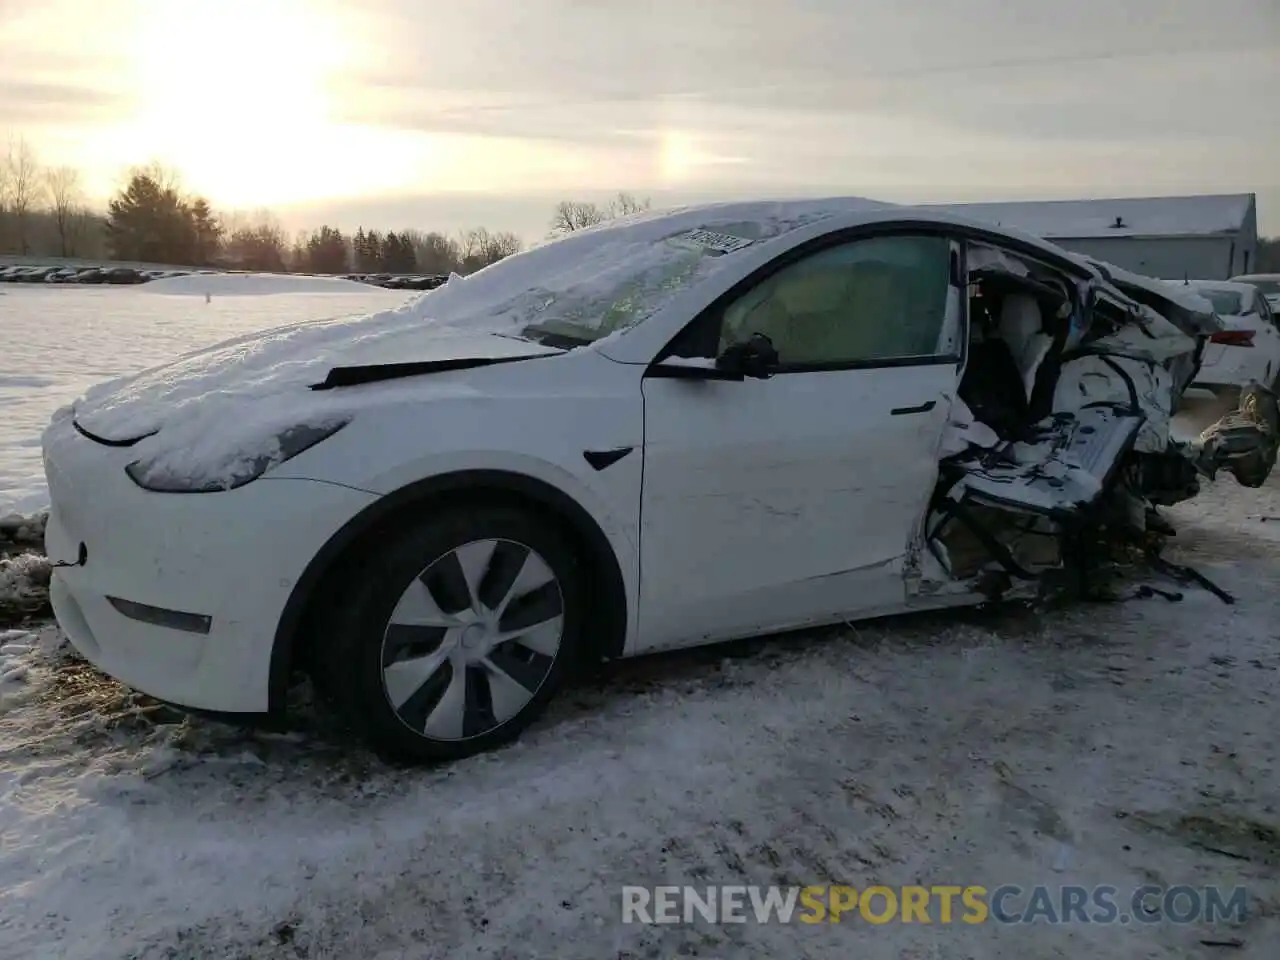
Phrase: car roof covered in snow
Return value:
(754, 221)
(1234, 286)
(645, 256)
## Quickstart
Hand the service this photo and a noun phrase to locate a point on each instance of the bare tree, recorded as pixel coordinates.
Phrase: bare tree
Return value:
(66, 203)
(435, 253)
(21, 189)
(504, 244)
(625, 204)
(161, 174)
(471, 247)
(256, 241)
(297, 261)
(573, 215)
(478, 248)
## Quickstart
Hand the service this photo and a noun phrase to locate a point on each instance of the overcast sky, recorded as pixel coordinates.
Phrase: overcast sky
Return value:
(417, 113)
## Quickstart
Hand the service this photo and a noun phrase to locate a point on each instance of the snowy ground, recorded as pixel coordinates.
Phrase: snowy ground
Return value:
(1106, 744)
(57, 341)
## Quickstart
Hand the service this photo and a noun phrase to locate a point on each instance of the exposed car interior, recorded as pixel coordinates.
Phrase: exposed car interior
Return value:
(1057, 430)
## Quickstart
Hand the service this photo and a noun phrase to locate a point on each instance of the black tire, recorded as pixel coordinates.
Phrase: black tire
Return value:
(349, 663)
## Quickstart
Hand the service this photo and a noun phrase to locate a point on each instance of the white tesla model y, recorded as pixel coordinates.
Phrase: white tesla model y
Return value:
(668, 430)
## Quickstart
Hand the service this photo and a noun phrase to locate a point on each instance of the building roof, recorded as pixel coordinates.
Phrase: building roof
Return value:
(1138, 216)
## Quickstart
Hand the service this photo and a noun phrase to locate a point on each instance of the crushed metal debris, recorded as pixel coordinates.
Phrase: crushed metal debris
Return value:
(1059, 449)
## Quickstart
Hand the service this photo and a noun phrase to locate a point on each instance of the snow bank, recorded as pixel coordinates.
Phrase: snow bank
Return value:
(250, 284)
(56, 341)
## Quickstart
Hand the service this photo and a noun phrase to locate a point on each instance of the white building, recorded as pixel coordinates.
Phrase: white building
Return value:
(1209, 237)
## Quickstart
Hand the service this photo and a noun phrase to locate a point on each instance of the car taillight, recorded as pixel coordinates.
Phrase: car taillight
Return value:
(1233, 338)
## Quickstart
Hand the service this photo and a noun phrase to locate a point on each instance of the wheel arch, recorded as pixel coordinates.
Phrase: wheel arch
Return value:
(607, 588)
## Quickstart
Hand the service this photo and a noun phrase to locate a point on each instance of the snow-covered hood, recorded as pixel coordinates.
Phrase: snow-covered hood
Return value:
(237, 376)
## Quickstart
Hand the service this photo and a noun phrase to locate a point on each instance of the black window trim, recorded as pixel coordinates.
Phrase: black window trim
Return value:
(964, 236)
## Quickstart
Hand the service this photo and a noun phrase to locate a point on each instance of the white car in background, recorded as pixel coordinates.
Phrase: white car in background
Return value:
(669, 430)
(1268, 283)
(1248, 348)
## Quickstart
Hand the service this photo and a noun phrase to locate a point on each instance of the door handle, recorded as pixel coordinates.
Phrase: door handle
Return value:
(923, 408)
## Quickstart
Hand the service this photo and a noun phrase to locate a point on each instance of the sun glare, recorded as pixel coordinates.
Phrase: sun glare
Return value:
(676, 157)
(237, 95)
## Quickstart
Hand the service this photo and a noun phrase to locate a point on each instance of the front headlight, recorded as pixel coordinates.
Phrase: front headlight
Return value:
(192, 472)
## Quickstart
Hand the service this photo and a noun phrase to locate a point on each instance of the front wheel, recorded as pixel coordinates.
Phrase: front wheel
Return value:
(453, 636)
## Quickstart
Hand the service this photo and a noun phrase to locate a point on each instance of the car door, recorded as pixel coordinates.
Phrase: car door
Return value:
(775, 503)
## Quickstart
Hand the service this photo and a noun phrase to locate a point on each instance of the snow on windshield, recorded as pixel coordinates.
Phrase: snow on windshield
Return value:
(595, 283)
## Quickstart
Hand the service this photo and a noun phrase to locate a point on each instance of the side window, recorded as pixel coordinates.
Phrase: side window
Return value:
(881, 298)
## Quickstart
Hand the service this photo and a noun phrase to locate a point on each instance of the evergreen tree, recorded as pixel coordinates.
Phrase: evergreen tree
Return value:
(388, 256)
(149, 222)
(327, 251)
(372, 262)
(359, 249)
(206, 232)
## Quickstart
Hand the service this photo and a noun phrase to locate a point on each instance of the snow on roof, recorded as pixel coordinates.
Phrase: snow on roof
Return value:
(1231, 285)
(1138, 216)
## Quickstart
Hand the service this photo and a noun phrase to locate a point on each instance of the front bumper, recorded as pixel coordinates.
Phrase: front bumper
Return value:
(233, 557)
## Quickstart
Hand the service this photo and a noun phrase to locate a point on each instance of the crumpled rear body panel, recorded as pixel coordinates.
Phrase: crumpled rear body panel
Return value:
(1064, 419)
(1063, 468)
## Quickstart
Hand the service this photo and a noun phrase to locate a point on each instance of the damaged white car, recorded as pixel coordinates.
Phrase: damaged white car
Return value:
(668, 430)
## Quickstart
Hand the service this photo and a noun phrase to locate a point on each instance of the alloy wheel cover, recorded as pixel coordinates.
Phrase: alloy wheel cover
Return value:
(472, 639)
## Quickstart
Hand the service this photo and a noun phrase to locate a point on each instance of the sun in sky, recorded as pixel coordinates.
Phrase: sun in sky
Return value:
(239, 95)
(309, 104)
(256, 103)
(268, 103)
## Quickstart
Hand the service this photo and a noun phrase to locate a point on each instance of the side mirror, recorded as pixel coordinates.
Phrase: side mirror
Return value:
(756, 358)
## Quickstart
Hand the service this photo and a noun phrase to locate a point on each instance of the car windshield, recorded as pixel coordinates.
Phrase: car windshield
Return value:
(620, 283)
(1225, 302)
(598, 282)
(621, 295)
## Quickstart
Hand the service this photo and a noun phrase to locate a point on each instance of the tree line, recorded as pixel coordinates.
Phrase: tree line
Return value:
(44, 211)
(152, 220)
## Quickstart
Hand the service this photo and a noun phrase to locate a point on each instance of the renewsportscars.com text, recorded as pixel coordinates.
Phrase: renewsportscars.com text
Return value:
(940, 904)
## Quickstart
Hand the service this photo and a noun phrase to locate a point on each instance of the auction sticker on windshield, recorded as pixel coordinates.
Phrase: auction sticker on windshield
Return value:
(716, 243)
